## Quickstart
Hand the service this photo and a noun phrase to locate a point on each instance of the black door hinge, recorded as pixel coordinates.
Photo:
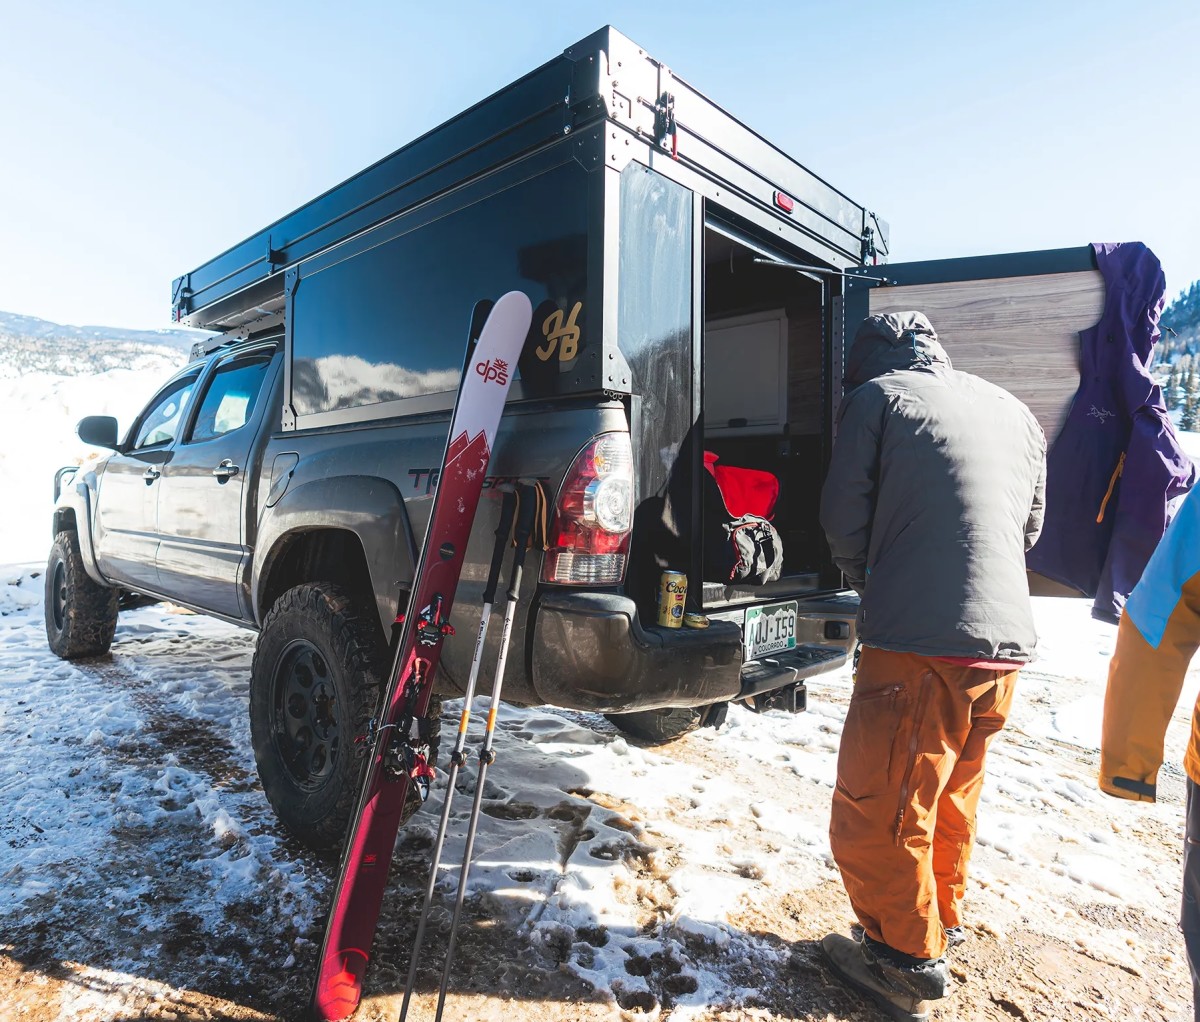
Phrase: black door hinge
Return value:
(666, 132)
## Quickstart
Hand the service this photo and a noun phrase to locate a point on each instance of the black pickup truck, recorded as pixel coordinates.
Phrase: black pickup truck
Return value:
(690, 285)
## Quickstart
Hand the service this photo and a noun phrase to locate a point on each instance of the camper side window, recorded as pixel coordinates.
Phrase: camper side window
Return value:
(382, 330)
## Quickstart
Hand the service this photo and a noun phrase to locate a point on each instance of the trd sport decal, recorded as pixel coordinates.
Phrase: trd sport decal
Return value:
(425, 480)
(563, 336)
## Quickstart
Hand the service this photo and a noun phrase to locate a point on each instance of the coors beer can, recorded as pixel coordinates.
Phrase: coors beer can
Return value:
(672, 594)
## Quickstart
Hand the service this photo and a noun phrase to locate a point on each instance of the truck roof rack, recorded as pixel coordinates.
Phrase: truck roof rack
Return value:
(252, 329)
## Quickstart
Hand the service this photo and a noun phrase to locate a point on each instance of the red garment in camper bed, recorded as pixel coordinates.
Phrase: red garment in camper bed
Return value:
(746, 491)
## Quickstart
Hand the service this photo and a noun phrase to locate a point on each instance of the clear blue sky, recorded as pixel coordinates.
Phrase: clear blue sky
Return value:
(139, 139)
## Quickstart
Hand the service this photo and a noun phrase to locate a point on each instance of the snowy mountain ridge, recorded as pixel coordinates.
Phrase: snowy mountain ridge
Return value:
(32, 345)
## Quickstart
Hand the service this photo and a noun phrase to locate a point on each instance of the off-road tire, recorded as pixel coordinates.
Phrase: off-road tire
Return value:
(660, 726)
(312, 783)
(81, 616)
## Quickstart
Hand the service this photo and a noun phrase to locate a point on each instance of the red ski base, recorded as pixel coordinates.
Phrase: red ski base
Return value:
(340, 989)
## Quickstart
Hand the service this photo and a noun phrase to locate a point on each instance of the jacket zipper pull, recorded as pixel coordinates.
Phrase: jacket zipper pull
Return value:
(1112, 483)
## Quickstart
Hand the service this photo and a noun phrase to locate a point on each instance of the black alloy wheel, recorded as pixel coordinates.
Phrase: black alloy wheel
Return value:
(80, 614)
(306, 724)
(314, 686)
(58, 586)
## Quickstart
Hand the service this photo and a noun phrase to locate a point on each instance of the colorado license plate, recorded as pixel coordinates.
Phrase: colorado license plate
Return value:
(770, 629)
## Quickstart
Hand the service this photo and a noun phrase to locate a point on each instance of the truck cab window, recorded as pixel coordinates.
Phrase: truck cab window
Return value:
(159, 424)
(231, 396)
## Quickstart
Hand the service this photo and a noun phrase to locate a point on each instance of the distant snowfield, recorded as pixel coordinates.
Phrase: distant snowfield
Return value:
(38, 414)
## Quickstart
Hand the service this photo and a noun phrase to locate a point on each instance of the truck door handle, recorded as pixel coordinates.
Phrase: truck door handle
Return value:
(151, 474)
(226, 470)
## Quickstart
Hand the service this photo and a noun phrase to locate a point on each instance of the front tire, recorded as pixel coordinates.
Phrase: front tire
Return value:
(81, 616)
(314, 685)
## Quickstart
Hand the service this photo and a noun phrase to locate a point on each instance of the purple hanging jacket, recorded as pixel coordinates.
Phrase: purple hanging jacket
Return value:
(1117, 463)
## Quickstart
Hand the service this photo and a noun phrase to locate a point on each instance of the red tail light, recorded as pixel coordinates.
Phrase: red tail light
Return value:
(593, 516)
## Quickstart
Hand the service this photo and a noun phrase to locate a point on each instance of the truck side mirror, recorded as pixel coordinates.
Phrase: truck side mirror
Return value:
(99, 431)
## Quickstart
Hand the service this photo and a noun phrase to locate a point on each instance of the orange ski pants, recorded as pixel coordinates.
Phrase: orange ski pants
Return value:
(910, 772)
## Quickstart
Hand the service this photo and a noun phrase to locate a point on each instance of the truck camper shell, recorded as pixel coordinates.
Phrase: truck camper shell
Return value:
(689, 278)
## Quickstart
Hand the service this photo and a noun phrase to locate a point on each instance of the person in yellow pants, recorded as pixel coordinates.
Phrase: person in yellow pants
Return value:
(934, 494)
(1156, 640)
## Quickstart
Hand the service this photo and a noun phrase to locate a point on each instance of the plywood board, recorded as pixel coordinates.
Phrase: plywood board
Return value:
(1021, 333)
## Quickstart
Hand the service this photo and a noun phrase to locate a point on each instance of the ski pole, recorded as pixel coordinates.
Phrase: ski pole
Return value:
(527, 510)
(457, 758)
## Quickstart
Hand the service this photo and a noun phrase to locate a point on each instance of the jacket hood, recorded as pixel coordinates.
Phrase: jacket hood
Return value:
(1134, 293)
(884, 344)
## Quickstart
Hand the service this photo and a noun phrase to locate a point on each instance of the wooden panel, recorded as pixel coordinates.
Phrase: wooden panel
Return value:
(1021, 333)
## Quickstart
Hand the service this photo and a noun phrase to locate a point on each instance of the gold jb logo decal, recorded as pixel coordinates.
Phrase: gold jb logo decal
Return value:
(561, 335)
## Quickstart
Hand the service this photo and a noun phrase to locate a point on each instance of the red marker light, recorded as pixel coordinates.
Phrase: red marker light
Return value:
(785, 201)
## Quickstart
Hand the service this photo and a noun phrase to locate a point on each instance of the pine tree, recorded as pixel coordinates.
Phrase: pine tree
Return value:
(1190, 419)
(1172, 395)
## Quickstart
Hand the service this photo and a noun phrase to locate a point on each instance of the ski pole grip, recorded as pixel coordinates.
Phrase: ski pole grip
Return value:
(526, 513)
(507, 509)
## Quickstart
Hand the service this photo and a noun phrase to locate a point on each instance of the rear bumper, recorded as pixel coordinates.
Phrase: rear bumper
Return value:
(588, 651)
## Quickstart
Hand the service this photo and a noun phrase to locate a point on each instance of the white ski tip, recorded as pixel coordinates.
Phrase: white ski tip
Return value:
(511, 314)
(490, 372)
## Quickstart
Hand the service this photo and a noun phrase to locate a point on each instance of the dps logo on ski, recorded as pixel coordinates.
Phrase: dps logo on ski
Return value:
(493, 371)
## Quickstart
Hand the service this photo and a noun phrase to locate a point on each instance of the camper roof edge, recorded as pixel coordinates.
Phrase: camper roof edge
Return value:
(603, 76)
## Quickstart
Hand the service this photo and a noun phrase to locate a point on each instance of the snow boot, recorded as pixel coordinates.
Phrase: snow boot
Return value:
(956, 935)
(902, 991)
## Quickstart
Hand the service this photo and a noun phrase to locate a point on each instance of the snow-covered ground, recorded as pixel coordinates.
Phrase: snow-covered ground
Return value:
(144, 876)
(38, 413)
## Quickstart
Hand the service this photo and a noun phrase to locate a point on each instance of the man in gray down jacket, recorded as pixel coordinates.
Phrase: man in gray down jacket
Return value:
(934, 495)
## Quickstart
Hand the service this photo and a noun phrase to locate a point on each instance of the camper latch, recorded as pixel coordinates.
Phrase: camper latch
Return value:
(868, 247)
(665, 129)
(275, 256)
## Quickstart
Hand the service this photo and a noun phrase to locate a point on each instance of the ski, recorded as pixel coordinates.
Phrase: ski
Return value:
(530, 503)
(456, 756)
(525, 520)
(398, 771)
